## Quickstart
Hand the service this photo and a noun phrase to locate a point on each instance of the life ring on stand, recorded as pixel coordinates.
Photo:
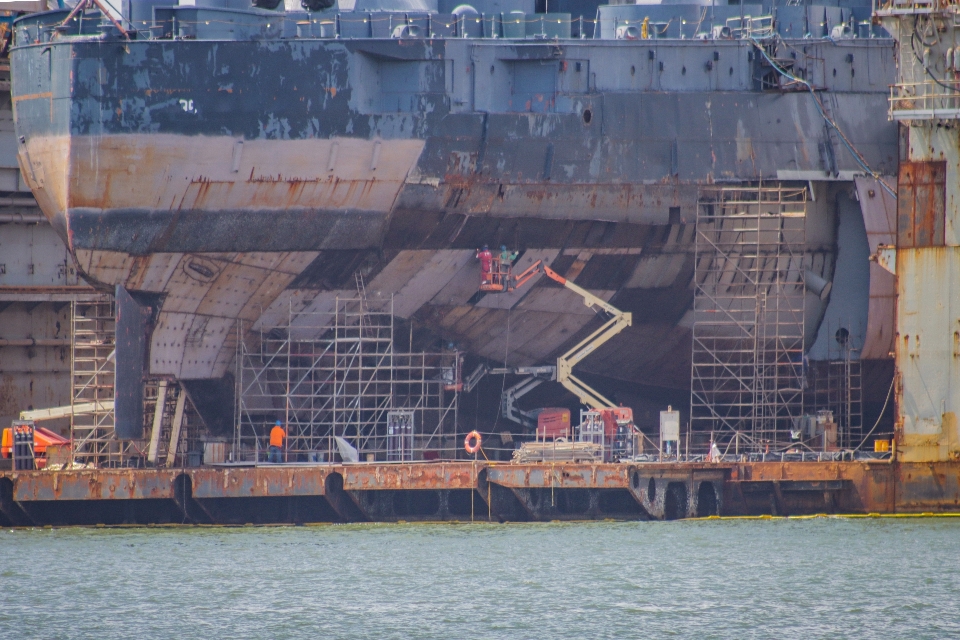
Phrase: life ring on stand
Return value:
(475, 437)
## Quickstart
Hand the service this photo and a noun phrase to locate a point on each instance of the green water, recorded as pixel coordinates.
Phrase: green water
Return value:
(823, 578)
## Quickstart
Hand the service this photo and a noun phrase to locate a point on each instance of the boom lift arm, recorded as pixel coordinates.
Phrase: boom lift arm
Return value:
(619, 321)
(563, 371)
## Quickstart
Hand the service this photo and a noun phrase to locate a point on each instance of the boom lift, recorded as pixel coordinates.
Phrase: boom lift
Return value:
(605, 421)
(502, 278)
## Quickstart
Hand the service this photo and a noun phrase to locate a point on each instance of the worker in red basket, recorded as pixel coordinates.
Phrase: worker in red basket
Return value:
(277, 434)
(486, 263)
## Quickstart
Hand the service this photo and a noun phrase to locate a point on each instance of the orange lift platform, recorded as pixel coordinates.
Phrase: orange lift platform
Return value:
(501, 279)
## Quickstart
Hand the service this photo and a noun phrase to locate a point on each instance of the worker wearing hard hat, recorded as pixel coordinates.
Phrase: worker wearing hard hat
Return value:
(277, 434)
(486, 263)
(507, 257)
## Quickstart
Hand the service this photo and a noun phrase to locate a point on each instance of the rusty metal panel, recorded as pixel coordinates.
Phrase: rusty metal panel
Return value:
(866, 486)
(258, 482)
(928, 487)
(927, 347)
(34, 358)
(455, 475)
(32, 255)
(921, 204)
(561, 476)
(113, 484)
(798, 487)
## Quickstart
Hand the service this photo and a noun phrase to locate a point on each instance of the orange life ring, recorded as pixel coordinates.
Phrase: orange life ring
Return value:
(472, 448)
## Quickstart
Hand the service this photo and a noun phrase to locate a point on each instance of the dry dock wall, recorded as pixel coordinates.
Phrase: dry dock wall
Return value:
(467, 491)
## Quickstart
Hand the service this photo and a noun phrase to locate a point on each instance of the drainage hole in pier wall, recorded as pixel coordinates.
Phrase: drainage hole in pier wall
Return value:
(183, 488)
(333, 482)
(617, 502)
(458, 503)
(635, 480)
(6, 490)
(707, 500)
(416, 503)
(652, 490)
(572, 501)
(675, 501)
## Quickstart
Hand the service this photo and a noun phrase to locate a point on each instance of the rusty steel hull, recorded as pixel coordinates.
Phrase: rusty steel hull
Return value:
(234, 180)
(473, 491)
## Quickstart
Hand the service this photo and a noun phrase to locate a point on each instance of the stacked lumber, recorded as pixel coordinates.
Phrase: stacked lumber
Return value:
(558, 451)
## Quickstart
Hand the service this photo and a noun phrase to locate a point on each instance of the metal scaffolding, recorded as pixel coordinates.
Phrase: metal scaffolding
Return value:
(92, 375)
(748, 330)
(835, 385)
(335, 375)
(170, 432)
(172, 429)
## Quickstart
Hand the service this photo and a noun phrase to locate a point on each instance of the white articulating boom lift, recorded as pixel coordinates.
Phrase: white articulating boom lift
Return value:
(619, 321)
(563, 371)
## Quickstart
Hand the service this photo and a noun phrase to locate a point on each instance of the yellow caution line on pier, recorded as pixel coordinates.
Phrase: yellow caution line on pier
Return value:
(924, 514)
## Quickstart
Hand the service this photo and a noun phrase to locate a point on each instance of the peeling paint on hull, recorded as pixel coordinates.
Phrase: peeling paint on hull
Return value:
(161, 161)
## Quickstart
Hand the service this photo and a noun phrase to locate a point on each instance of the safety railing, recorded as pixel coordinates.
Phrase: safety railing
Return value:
(925, 100)
(914, 7)
(751, 27)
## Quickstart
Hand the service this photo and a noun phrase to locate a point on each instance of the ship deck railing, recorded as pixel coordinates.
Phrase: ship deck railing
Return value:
(927, 100)
(916, 7)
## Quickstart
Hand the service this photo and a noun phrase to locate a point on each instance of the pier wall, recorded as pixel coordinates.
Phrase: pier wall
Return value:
(472, 491)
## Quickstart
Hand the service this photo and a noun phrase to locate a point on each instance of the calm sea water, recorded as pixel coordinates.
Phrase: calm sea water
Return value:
(823, 578)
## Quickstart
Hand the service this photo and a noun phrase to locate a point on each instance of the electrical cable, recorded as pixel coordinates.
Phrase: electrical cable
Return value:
(879, 417)
(503, 385)
(857, 156)
(916, 54)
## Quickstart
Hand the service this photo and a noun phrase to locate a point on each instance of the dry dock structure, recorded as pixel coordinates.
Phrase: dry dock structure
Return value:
(301, 255)
(473, 491)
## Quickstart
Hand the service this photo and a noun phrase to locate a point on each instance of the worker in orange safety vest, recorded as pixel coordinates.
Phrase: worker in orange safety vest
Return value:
(277, 434)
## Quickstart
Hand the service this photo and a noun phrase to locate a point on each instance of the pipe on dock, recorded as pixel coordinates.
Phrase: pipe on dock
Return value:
(24, 218)
(34, 342)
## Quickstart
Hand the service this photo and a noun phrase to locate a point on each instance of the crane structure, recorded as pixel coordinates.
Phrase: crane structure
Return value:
(602, 408)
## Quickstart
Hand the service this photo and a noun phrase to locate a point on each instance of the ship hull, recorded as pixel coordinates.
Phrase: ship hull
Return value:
(240, 181)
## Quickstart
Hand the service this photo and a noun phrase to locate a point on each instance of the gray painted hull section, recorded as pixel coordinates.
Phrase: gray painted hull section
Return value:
(238, 179)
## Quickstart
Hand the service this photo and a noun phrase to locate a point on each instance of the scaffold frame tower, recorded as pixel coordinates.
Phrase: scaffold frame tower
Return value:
(747, 379)
(336, 375)
(836, 384)
(92, 374)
